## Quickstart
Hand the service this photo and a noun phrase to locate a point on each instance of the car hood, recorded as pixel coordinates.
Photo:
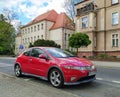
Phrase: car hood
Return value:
(74, 61)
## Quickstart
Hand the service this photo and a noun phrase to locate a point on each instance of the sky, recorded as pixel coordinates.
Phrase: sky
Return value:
(27, 10)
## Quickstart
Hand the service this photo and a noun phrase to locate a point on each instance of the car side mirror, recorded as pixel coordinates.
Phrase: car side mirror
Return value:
(42, 56)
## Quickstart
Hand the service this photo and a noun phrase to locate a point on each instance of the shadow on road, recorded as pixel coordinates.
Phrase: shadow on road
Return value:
(84, 86)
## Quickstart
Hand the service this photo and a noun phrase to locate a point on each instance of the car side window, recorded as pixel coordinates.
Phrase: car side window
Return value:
(27, 53)
(36, 52)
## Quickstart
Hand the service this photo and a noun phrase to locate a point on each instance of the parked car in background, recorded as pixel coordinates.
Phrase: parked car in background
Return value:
(55, 65)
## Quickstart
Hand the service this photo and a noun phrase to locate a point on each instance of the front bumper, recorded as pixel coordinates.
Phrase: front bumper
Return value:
(82, 80)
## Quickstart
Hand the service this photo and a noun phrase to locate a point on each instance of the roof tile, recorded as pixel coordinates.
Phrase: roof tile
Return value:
(63, 21)
(50, 16)
(60, 20)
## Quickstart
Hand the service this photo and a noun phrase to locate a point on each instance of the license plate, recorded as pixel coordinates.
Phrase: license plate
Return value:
(92, 73)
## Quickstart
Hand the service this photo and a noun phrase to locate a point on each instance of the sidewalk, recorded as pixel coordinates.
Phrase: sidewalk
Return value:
(7, 57)
(15, 87)
(107, 64)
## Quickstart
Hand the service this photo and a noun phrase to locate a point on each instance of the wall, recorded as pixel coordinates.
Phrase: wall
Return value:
(104, 28)
(17, 45)
(56, 35)
(34, 35)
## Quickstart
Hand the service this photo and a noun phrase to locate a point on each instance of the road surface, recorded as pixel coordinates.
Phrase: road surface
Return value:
(107, 83)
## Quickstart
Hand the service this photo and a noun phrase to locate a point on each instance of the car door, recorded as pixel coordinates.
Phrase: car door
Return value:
(25, 61)
(38, 65)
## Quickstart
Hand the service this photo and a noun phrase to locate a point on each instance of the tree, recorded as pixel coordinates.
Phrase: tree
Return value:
(78, 40)
(31, 45)
(70, 9)
(9, 15)
(2, 17)
(7, 31)
(42, 42)
(7, 36)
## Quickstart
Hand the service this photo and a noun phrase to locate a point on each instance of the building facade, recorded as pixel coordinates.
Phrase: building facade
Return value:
(100, 19)
(48, 26)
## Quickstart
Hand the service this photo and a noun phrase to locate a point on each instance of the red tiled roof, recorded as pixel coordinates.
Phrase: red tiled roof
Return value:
(60, 20)
(63, 21)
(50, 16)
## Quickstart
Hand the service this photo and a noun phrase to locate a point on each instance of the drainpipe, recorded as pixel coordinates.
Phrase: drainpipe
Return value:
(63, 41)
(104, 28)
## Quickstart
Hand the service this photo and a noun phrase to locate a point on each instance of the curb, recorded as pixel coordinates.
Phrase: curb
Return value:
(106, 64)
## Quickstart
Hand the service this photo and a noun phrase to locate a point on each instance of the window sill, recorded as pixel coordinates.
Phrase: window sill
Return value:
(114, 3)
(115, 46)
(115, 24)
(85, 28)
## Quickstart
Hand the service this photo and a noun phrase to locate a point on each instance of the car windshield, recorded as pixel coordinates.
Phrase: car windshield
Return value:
(59, 53)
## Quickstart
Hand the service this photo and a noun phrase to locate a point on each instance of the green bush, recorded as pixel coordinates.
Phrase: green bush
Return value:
(91, 57)
(42, 42)
(1, 49)
(102, 56)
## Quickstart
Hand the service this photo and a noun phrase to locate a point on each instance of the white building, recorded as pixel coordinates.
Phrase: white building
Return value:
(48, 26)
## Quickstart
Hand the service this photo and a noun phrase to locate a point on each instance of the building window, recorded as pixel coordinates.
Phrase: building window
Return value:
(65, 36)
(31, 29)
(38, 27)
(23, 31)
(41, 26)
(41, 36)
(31, 39)
(34, 38)
(28, 30)
(115, 18)
(84, 22)
(23, 41)
(28, 40)
(68, 36)
(114, 1)
(34, 28)
(114, 40)
(38, 37)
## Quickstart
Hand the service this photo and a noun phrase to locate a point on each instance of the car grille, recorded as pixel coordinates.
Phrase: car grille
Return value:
(86, 78)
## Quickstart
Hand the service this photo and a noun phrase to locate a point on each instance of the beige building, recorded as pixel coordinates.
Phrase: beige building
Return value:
(48, 26)
(100, 19)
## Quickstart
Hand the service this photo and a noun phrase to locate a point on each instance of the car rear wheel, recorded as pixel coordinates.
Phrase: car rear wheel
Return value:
(17, 71)
(56, 78)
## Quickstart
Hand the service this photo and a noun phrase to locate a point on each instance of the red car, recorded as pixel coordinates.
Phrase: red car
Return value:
(55, 65)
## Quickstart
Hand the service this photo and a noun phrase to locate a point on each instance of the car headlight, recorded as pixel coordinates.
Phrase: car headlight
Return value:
(75, 67)
(90, 68)
(93, 67)
(80, 67)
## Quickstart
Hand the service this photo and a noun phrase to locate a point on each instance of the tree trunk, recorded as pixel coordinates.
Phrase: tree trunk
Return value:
(77, 51)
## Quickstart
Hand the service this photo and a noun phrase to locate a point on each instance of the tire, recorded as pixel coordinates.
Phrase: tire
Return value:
(56, 78)
(17, 70)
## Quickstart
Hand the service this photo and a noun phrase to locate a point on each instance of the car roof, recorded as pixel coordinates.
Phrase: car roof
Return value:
(41, 47)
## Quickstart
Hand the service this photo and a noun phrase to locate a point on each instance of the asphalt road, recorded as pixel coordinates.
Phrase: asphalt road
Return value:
(107, 83)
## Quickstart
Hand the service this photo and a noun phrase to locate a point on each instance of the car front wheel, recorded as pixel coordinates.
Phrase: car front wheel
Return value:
(17, 71)
(56, 78)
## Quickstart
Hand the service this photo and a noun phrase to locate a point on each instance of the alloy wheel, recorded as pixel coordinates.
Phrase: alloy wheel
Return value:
(17, 71)
(56, 78)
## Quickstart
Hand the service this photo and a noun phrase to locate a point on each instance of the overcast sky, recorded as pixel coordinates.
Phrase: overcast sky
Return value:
(29, 9)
